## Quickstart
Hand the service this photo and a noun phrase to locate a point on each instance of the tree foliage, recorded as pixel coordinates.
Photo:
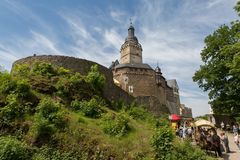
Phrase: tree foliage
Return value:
(220, 72)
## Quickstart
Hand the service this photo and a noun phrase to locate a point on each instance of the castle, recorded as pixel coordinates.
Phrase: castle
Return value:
(148, 86)
(129, 81)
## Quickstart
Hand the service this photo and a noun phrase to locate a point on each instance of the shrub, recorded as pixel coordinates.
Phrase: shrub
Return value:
(95, 78)
(184, 150)
(47, 120)
(43, 69)
(52, 112)
(21, 70)
(11, 148)
(162, 142)
(41, 131)
(15, 109)
(138, 113)
(115, 124)
(7, 83)
(74, 87)
(117, 105)
(92, 108)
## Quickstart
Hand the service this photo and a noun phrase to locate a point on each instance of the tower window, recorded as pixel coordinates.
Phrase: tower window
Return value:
(130, 89)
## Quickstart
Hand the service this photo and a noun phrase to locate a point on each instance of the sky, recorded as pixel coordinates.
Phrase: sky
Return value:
(171, 33)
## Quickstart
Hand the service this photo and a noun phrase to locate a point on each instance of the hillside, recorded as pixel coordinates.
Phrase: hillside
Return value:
(49, 112)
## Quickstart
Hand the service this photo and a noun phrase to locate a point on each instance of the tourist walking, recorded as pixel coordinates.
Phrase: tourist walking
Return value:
(225, 142)
(235, 129)
(236, 140)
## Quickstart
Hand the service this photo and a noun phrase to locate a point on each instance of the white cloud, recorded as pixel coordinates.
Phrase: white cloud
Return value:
(85, 45)
(113, 38)
(175, 39)
(172, 36)
(199, 106)
(117, 15)
(43, 44)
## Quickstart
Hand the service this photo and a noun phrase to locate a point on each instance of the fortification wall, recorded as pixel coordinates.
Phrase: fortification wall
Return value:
(110, 91)
(153, 105)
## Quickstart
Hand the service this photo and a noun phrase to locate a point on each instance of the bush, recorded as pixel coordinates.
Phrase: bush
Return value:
(43, 69)
(12, 149)
(115, 124)
(47, 120)
(74, 87)
(52, 112)
(7, 83)
(95, 78)
(92, 108)
(184, 150)
(162, 142)
(15, 109)
(21, 70)
(138, 113)
(117, 105)
(41, 131)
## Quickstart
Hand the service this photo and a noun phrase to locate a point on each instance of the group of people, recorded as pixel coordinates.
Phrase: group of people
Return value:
(210, 140)
(184, 132)
(235, 129)
(215, 142)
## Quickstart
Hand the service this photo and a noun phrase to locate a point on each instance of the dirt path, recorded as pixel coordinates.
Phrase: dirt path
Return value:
(235, 152)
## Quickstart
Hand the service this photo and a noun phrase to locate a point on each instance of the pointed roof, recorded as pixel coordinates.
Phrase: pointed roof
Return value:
(158, 70)
(131, 36)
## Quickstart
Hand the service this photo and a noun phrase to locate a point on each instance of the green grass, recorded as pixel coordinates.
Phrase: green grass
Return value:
(135, 143)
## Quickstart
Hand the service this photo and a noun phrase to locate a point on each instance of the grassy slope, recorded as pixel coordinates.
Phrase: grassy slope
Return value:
(137, 142)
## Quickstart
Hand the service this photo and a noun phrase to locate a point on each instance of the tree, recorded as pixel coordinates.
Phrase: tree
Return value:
(220, 72)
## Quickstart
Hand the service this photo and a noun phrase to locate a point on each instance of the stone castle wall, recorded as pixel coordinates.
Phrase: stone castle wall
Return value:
(110, 91)
(145, 89)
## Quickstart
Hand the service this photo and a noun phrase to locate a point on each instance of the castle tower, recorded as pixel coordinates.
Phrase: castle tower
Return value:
(131, 50)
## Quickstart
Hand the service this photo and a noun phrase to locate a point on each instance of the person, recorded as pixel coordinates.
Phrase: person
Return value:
(222, 126)
(217, 143)
(184, 132)
(236, 140)
(180, 132)
(189, 132)
(235, 129)
(225, 142)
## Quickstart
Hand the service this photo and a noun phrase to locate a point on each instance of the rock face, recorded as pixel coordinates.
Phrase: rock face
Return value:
(110, 91)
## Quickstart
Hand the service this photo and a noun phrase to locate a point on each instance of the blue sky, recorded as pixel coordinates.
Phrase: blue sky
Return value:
(171, 32)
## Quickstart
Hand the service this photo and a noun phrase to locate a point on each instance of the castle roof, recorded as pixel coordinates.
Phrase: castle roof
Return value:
(172, 83)
(131, 36)
(133, 65)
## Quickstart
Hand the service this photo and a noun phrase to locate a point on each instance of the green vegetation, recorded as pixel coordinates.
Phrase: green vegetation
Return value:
(11, 148)
(220, 73)
(116, 124)
(48, 112)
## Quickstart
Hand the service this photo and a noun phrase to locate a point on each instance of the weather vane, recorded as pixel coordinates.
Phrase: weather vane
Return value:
(130, 19)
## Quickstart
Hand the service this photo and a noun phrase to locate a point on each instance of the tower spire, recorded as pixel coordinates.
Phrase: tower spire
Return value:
(131, 31)
(131, 50)
(130, 19)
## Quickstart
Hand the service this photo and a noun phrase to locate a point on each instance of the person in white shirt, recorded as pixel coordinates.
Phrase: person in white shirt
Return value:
(236, 140)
